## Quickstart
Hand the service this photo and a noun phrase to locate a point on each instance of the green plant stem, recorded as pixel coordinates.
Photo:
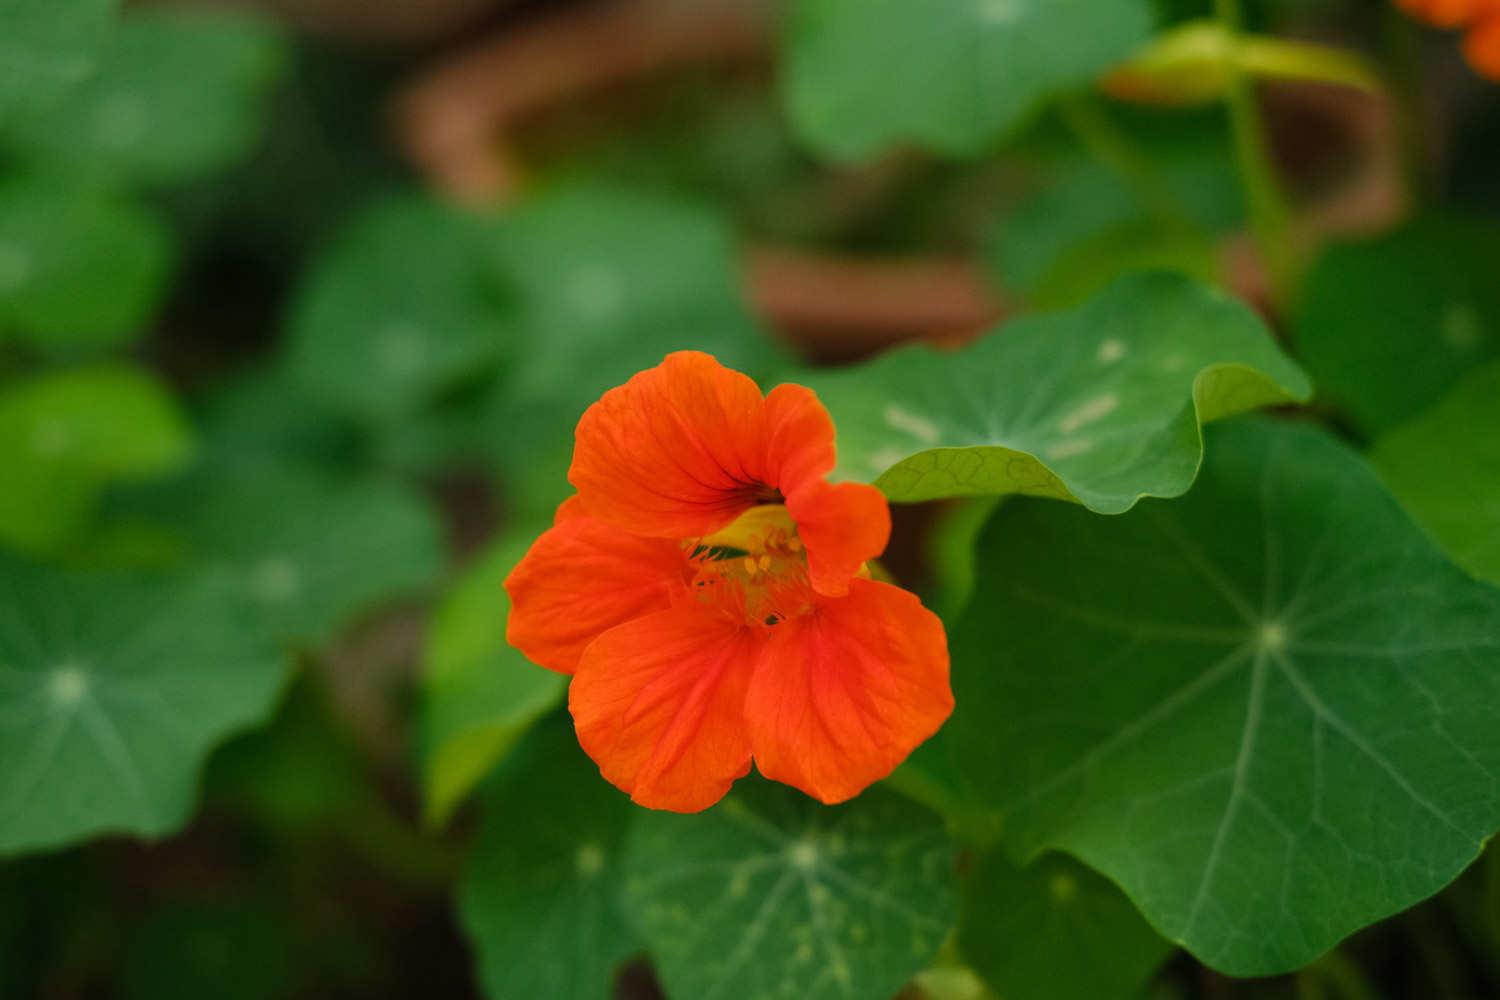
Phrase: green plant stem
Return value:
(1098, 133)
(1269, 215)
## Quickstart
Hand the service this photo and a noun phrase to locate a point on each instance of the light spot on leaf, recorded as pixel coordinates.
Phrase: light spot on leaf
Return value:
(275, 580)
(1000, 12)
(49, 438)
(595, 293)
(122, 120)
(68, 685)
(1095, 409)
(1110, 351)
(1063, 887)
(589, 860)
(402, 349)
(803, 854)
(1070, 447)
(1462, 329)
(902, 419)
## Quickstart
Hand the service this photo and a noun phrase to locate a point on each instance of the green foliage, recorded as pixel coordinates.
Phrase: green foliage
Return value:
(308, 551)
(1387, 326)
(113, 688)
(46, 49)
(1054, 930)
(1267, 710)
(177, 95)
(65, 436)
(771, 895)
(952, 76)
(398, 309)
(479, 694)
(1101, 405)
(541, 900)
(78, 268)
(230, 950)
(1444, 466)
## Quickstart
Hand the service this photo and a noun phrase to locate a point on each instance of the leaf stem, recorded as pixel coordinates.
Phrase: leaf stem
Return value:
(1269, 214)
(1112, 146)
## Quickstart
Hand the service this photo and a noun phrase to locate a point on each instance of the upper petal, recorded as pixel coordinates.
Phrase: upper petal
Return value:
(583, 577)
(842, 695)
(659, 705)
(676, 452)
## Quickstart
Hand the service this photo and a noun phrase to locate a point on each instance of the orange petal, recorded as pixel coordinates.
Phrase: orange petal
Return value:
(842, 525)
(583, 577)
(1482, 46)
(841, 696)
(676, 452)
(659, 704)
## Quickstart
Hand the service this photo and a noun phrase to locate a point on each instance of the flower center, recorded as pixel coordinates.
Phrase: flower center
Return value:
(756, 568)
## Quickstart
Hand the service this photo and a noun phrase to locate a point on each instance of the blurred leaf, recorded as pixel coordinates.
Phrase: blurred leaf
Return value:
(47, 48)
(1101, 405)
(540, 901)
(771, 894)
(113, 689)
(178, 94)
(1444, 467)
(297, 775)
(1268, 709)
(260, 418)
(400, 307)
(1388, 326)
(64, 435)
(608, 281)
(479, 694)
(227, 950)
(310, 552)
(953, 76)
(77, 268)
(1054, 930)
(1086, 225)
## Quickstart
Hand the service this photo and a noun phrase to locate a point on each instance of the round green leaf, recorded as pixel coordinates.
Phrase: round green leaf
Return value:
(540, 901)
(1386, 327)
(1444, 466)
(64, 436)
(479, 694)
(77, 268)
(1101, 405)
(771, 895)
(1054, 930)
(46, 49)
(1267, 710)
(952, 76)
(311, 552)
(178, 94)
(113, 688)
(400, 307)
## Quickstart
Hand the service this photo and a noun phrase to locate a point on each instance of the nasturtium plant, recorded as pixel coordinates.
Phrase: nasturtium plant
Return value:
(135, 120)
(1387, 326)
(46, 49)
(953, 76)
(65, 436)
(1266, 710)
(1444, 467)
(772, 895)
(399, 308)
(80, 269)
(1054, 929)
(479, 695)
(1102, 405)
(542, 900)
(113, 688)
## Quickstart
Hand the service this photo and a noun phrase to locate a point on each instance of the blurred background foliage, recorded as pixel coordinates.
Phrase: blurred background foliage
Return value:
(299, 303)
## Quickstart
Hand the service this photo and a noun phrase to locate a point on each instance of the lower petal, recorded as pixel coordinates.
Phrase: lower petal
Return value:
(842, 695)
(659, 705)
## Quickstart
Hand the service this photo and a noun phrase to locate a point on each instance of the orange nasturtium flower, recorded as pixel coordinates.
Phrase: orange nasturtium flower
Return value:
(1480, 18)
(706, 589)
